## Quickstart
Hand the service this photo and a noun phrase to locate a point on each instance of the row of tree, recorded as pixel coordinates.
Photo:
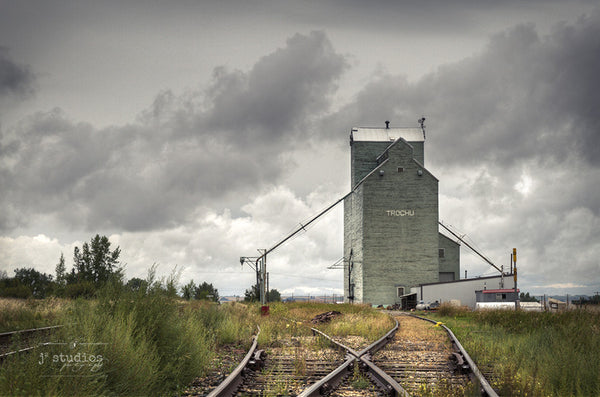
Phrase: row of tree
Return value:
(94, 266)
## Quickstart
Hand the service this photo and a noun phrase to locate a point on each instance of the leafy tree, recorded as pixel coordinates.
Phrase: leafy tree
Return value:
(527, 298)
(96, 263)
(207, 292)
(40, 284)
(188, 290)
(137, 284)
(10, 287)
(273, 296)
(252, 294)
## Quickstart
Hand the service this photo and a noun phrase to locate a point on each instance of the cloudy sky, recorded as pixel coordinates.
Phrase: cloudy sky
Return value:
(195, 132)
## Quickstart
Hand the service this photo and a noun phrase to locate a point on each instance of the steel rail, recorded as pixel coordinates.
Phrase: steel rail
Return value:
(383, 380)
(487, 390)
(5, 338)
(331, 381)
(10, 334)
(338, 344)
(230, 385)
(377, 345)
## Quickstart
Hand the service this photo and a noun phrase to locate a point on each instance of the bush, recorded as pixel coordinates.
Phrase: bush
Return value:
(18, 291)
(83, 289)
(450, 310)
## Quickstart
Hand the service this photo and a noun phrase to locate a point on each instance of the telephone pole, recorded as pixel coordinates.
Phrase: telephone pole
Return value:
(514, 256)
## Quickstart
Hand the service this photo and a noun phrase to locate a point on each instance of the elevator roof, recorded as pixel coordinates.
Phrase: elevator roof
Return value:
(387, 134)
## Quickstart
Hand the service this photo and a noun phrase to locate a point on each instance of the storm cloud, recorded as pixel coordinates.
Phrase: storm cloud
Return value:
(229, 159)
(184, 153)
(513, 133)
(523, 97)
(15, 79)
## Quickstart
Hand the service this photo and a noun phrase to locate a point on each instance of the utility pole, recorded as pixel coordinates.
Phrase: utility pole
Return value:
(514, 256)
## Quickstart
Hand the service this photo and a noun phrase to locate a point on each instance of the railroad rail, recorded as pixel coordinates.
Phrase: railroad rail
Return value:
(465, 360)
(7, 339)
(384, 363)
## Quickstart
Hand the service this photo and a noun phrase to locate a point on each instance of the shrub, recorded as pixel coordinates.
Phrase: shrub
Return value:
(83, 289)
(450, 310)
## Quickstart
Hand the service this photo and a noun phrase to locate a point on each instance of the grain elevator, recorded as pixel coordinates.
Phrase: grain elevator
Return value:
(391, 236)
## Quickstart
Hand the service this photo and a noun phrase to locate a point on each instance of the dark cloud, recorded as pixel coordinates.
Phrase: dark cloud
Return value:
(513, 134)
(280, 94)
(15, 79)
(212, 147)
(525, 96)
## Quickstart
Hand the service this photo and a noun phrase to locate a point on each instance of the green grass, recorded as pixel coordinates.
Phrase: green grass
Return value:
(532, 353)
(140, 344)
(137, 343)
(19, 314)
(293, 319)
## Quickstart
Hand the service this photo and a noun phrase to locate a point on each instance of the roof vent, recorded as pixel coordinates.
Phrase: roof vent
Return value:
(387, 125)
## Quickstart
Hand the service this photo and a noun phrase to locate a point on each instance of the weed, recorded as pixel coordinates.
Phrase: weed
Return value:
(359, 381)
(300, 361)
(531, 353)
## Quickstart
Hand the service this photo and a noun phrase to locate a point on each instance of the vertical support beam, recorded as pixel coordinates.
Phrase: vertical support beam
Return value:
(514, 256)
(263, 277)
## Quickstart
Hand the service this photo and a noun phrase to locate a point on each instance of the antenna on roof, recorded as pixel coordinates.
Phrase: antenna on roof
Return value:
(422, 123)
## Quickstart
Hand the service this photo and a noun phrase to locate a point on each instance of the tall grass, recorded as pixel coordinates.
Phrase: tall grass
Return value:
(533, 353)
(149, 343)
(142, 344)
(18, 314)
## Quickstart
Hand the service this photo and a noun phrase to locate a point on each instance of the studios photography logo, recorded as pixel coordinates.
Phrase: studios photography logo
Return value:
(72, 359)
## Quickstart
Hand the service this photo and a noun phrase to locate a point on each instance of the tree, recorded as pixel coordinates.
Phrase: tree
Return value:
(273, 296)
(207, 292)
(39, 283)
(10, 287)
(137, 284)
(188, 290)
(61, 270)
(252, 294)
(96, 263)
(527, 298)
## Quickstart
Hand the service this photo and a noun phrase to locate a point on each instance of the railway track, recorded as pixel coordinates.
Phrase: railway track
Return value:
(422, 358)
(414, 358)
(23, 340)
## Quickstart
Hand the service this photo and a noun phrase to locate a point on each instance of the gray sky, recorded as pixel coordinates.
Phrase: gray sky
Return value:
(193, 133)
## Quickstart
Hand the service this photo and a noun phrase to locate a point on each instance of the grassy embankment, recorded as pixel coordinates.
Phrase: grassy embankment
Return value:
(147, 343)
(532, 353)
(24, 314)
